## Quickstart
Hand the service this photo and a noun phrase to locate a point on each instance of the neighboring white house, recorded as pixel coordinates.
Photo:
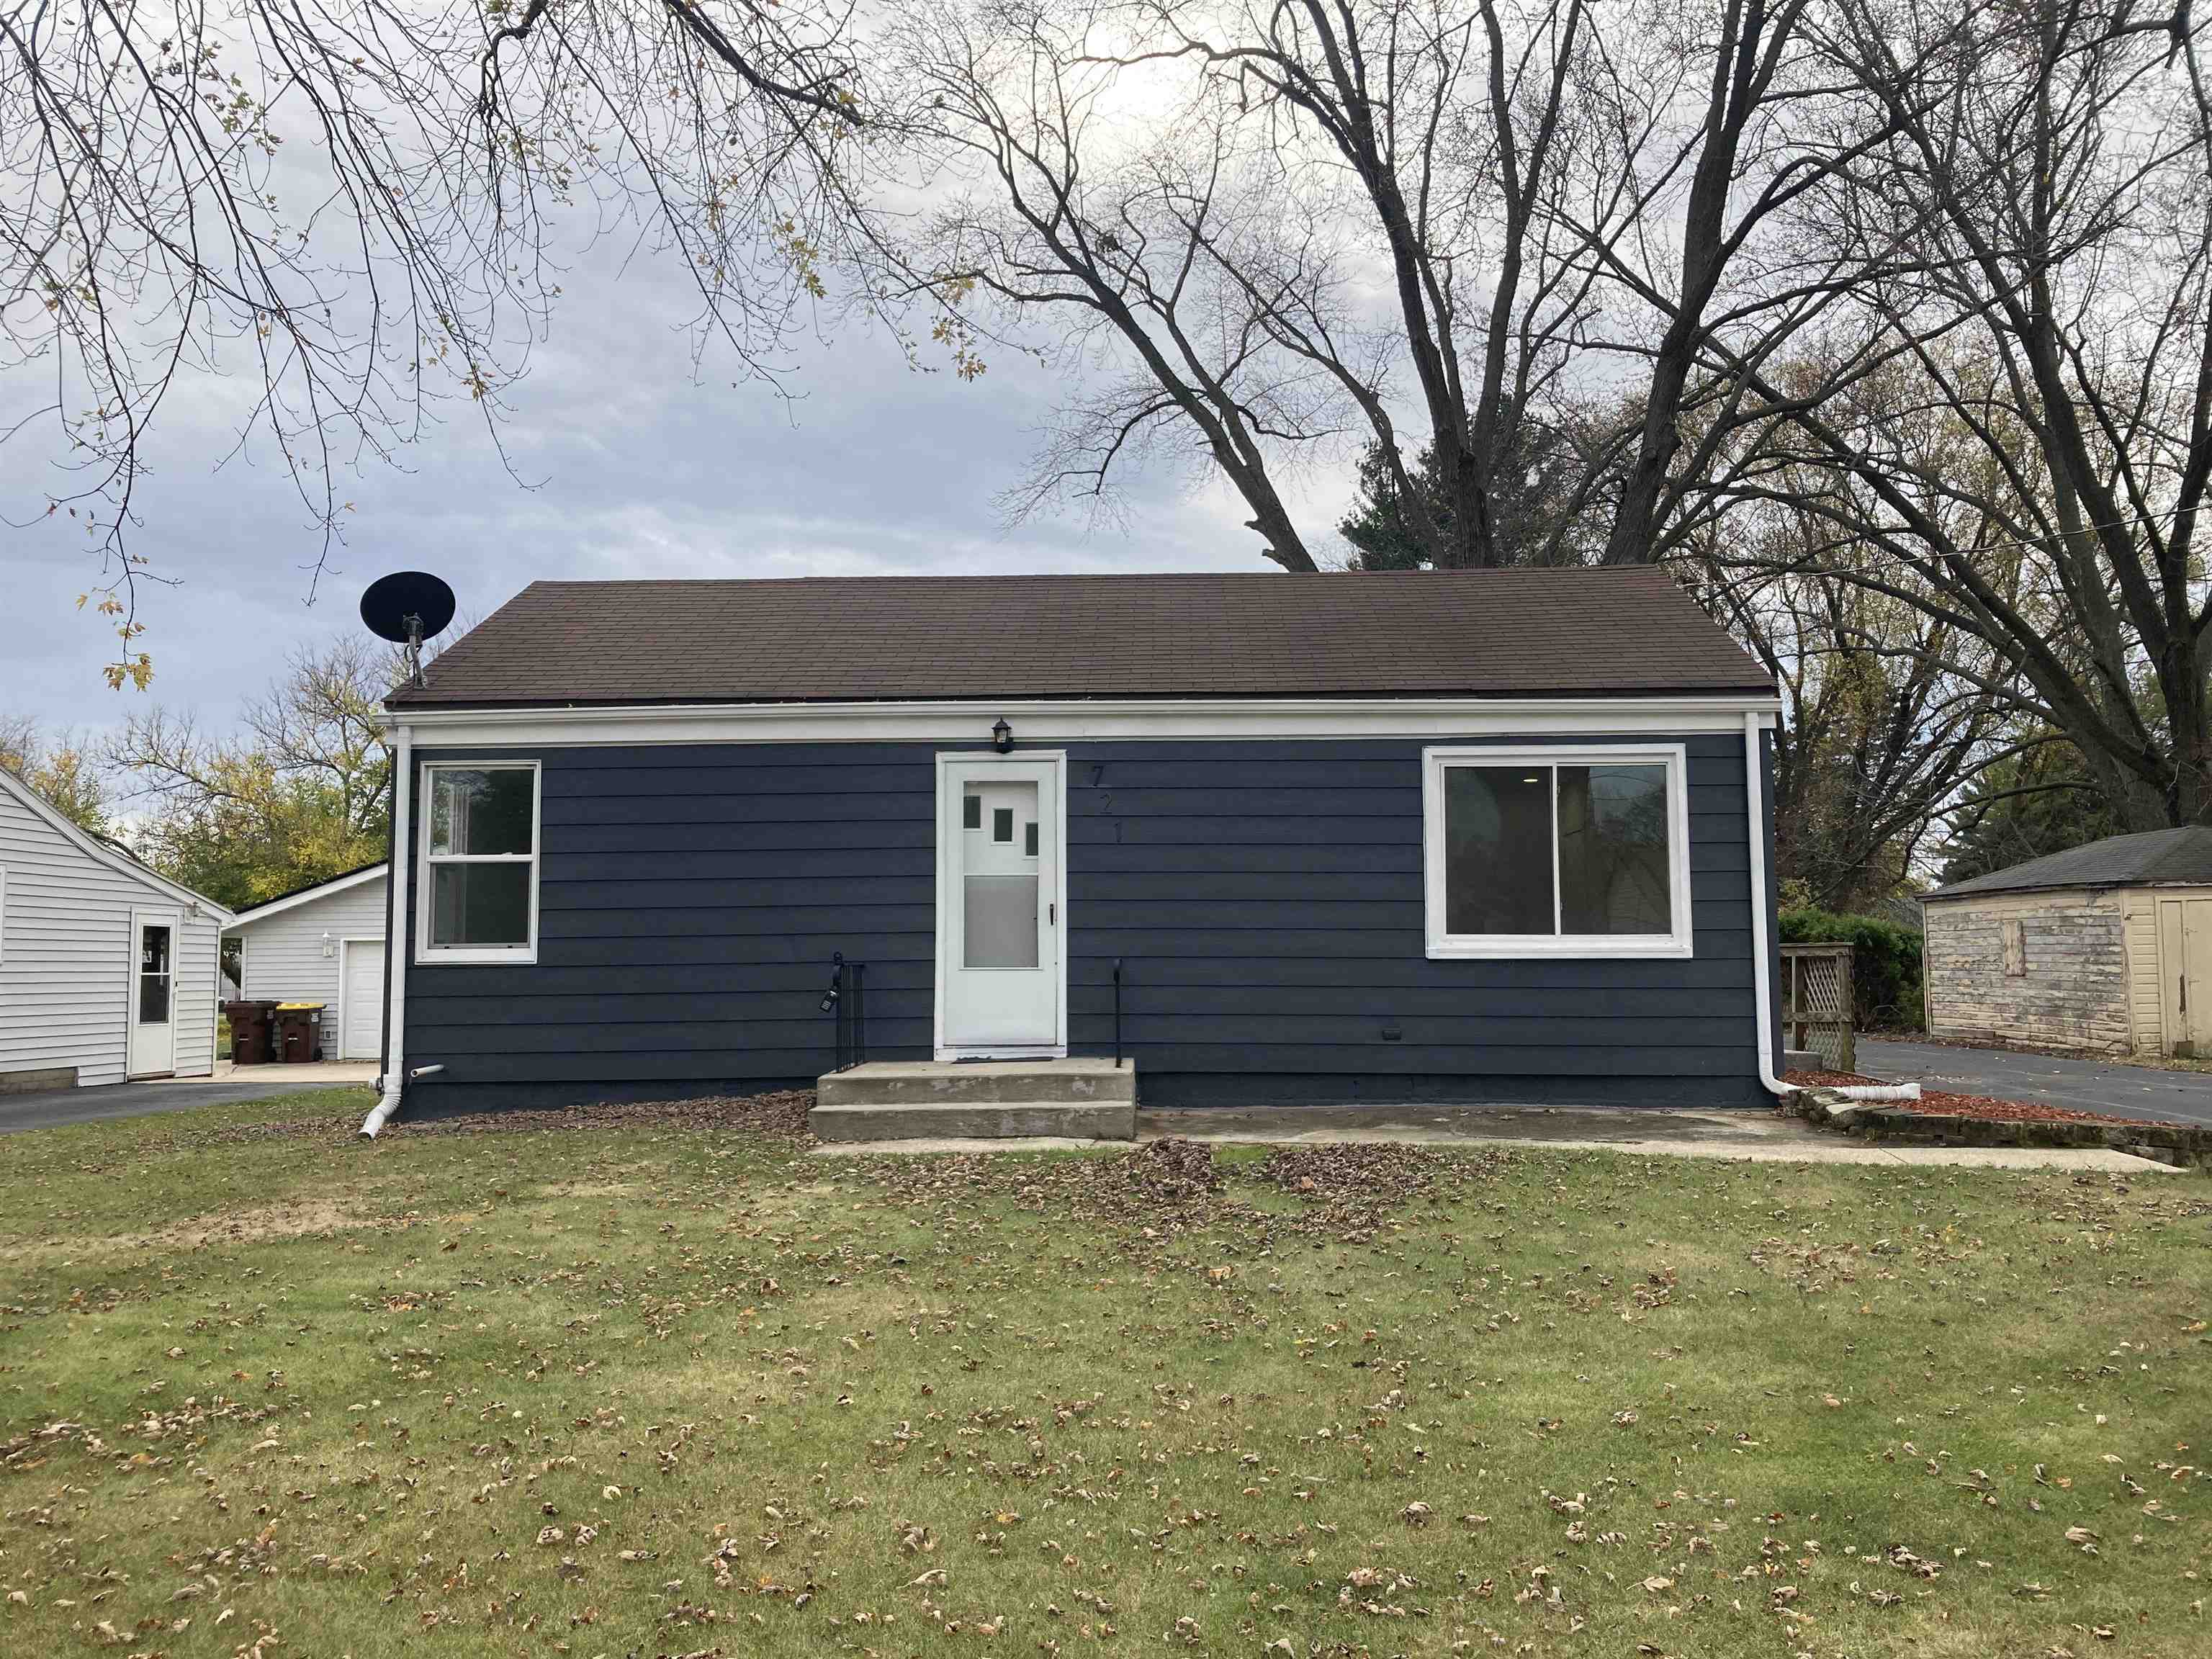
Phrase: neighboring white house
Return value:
(107, 969)
(323, 944)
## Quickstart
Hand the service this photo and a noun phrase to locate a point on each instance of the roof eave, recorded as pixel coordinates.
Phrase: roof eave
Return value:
(322, 890)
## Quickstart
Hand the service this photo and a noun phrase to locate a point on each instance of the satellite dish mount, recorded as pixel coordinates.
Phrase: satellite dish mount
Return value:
(408, 607)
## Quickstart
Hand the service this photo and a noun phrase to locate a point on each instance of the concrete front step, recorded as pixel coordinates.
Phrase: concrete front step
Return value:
(979, 1083)
(972, 1120)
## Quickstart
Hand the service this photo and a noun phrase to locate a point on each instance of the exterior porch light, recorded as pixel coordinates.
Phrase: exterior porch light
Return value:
(1002, 737)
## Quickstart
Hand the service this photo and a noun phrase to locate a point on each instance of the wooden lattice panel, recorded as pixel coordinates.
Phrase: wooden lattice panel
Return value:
(1816, 1002)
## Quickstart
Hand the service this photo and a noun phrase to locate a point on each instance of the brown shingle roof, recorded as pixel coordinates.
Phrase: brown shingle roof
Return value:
(1480, 633)
(2154, 858)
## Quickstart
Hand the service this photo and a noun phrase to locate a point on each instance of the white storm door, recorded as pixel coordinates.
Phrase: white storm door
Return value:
(1001, 909)
(152, 993)
(361, 996)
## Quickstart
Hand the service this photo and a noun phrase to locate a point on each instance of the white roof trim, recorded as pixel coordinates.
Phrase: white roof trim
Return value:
(1063, 719)
(254, 912)
(122, 863)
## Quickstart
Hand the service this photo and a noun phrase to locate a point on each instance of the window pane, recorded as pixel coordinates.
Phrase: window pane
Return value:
(486, 811)
(998, 921)
(1497, 850)
(1002, 823)
(1028, 841)
(971, 812)
(479, 904)
(154, 975)
(1614, 869)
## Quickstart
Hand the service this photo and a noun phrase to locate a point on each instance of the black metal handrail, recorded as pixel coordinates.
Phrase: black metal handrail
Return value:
(1117, 1013)
(846, 1002)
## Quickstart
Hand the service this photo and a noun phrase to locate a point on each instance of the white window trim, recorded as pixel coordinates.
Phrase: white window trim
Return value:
(1443, 944)
(427, 954)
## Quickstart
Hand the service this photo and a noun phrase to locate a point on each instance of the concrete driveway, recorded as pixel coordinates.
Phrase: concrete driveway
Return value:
(49, 1108)
(2087, 1086)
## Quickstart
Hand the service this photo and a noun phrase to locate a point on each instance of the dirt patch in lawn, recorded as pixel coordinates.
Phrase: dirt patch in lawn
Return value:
(1166, 1187)
(260, 1224)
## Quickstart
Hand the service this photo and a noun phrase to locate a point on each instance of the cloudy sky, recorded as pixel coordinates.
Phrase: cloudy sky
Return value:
(632, 465)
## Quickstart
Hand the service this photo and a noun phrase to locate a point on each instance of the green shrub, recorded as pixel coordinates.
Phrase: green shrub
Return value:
(1885, 963)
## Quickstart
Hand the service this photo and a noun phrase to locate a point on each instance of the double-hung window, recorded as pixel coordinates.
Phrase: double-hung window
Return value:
(1557, 852)
(478, 878)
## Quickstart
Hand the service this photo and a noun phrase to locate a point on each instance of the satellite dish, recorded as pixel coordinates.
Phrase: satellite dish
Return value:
(408, 607)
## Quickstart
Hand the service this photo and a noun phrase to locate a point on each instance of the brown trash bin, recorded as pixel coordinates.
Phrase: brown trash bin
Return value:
(251, 1036)
(298, 1032)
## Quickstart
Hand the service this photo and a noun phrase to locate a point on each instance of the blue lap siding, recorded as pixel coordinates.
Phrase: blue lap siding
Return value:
(1264, 897)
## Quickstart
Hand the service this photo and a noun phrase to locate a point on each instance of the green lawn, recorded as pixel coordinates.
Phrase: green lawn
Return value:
(669, 1387)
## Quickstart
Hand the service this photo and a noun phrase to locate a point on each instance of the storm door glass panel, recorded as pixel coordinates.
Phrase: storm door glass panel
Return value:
(480, 903)
(154, 975)
(999, 881)
(1497, 850)
(1614, 873)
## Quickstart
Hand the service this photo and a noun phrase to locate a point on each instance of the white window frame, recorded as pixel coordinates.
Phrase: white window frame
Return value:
(426, 953)
(1443, 944)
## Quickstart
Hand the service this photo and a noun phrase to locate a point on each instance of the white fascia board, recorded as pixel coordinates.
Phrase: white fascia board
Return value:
(199, 903)
(1061, 721)
(247, 917)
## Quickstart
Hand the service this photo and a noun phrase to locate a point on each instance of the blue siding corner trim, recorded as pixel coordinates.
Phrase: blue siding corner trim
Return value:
(1264, 897)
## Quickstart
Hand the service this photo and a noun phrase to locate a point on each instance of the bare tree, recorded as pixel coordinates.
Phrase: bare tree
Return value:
(2016, 434)
(1444, 230)
(359, 210)
(301, 793)
(1879, 726)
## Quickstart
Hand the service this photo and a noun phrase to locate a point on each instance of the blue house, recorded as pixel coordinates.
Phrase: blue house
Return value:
(1494, 836)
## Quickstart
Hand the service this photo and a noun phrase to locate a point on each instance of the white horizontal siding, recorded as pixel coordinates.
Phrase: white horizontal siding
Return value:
(66, 958)
(199, 942)
(282, 954)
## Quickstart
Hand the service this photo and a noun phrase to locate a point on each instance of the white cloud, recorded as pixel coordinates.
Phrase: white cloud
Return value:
(631, 462)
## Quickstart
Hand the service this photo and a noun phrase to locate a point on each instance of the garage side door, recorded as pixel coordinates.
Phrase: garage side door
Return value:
(364, 998)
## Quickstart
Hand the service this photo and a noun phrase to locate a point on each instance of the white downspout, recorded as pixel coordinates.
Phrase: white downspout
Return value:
(402, 864)
(1754, 793)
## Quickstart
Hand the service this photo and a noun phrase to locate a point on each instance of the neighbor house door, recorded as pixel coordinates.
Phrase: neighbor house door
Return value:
(1001, 907)
(152, 993)
(2184, 950)
(361, 999)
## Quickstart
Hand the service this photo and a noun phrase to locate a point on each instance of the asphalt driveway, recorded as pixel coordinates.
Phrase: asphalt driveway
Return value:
(48, 1108)
(2087, 1086)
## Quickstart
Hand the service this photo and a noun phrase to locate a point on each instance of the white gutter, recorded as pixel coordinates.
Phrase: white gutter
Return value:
(1754, 793)
(392, 1084)
(1877, 1091)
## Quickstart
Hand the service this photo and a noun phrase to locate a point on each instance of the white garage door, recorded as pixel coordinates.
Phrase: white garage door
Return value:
(364, 998)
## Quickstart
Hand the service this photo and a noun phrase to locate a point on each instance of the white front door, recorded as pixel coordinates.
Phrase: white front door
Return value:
(360, 995)
(152, 993)
(1001, 907)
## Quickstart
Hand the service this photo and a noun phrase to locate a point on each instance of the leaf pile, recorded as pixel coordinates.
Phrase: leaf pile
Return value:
(1354, 1186)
